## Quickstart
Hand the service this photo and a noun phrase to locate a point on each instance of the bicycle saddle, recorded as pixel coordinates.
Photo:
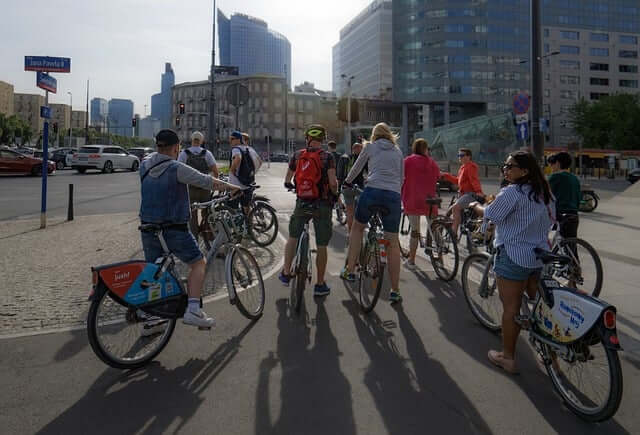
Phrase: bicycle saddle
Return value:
(547, 257)
(379, 209)
(567, 217)
(433, 201)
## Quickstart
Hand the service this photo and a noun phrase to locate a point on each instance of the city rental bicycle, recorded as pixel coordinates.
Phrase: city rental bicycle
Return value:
(574, 334)
(301, 266)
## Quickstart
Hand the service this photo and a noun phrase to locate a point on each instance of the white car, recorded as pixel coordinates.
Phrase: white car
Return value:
(105, 158)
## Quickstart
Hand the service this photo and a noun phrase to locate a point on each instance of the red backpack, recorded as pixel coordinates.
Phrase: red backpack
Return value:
(309, 175)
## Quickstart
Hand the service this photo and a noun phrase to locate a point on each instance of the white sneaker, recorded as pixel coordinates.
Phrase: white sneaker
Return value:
(410, 265)
(199, 319)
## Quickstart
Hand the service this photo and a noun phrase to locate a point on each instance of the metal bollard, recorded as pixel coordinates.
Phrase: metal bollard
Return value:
(70, 207)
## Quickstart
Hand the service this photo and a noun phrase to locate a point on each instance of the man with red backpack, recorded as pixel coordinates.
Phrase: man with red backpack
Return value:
(314, 170)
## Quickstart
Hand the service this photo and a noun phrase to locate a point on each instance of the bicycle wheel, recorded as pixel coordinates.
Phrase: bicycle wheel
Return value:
(588, 203)
(371, 277)
(481, 291)
(298, 281)
(245, 279)
(405, 229)
(591, 383)
(443, 251)
(117, 333)
(585, 270)
(263, 224)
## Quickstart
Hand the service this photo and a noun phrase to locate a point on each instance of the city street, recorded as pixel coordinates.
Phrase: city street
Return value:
(419, 367)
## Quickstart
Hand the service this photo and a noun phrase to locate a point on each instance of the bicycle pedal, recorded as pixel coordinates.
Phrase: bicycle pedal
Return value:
(313, 251)
(204, 328)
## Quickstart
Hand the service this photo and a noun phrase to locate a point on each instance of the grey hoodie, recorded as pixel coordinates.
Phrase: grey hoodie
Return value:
(385, 166)
(186, 174)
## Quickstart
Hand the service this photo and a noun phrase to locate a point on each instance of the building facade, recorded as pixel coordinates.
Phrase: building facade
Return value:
(27, 107)
(248, 43)
(120, 117)
(161, 102)
(148, 127)
(99, 112)
(78, 119)
(61, 115)
(6, 98)
(364, 52)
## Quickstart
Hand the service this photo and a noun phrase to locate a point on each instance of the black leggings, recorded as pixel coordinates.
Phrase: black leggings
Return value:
(569, 225)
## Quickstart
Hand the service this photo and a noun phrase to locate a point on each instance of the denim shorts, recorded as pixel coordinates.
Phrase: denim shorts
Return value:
(507, 269)
(181, 244)
(386, 198)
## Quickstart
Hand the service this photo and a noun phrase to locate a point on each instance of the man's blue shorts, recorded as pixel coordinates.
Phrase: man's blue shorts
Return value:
(181, 243)
(386, 198)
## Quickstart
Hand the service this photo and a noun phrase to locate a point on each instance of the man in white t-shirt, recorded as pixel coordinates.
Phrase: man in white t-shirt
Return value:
(237, 147)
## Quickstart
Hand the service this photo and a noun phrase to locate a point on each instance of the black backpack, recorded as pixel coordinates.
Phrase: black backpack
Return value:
(246, 172)
(198, 161)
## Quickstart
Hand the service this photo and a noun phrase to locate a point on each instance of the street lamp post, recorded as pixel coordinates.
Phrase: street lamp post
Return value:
(211, 127)
(70, 116)
(348, 80)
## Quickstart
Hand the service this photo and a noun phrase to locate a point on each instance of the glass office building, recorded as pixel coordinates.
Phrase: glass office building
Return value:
(249, 44)
(120, 117)
(99, 111)
(161, 102)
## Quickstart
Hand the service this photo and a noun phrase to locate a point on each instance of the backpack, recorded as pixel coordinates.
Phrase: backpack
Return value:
(342, 167)
(246, 172)
(309, 175)
(198, 161)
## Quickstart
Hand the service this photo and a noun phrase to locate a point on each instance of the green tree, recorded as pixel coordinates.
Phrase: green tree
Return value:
(612, 122)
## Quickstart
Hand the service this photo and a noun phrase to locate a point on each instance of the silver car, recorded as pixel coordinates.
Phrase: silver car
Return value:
(105, 158)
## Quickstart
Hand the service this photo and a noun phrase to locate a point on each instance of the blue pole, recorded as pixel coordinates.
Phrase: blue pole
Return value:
(45, 161)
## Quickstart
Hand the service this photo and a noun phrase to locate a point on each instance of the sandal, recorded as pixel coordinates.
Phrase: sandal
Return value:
(498, 359)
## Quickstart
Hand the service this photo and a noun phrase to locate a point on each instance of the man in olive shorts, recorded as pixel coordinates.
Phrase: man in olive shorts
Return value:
(350, 194)
(322, 205)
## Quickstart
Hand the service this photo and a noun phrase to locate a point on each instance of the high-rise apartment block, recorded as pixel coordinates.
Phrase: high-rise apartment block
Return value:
(6, 98)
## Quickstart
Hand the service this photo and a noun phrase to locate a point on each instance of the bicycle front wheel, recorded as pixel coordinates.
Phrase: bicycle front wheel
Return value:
(585, 270)
(123, 337)
(263, 224)
(443, 251)
(299, 279)
(480, 290)
(371, 277)
(245, 280)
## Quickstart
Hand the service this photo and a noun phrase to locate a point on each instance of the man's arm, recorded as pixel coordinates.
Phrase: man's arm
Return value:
(333, 181)
(235, 162)
(213, 165)
(289, 176)
(192, 177)
(215, 172)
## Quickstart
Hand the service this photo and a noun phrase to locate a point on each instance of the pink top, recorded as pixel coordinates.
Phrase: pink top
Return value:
(420, 176)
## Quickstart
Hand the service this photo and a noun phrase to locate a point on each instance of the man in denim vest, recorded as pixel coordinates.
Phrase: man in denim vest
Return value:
(165, 200)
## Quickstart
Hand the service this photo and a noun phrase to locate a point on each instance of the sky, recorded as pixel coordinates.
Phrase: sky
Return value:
(121, 46)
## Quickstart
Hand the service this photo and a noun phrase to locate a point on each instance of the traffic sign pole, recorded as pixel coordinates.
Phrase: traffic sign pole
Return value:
(45, 166)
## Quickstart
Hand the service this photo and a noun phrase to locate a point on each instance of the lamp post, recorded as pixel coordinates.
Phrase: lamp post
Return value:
(70, 116)
(348, 80)
(211, 127)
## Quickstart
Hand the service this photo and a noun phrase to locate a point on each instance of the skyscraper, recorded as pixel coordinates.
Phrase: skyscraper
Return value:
(248, 43)
(161, 102)
(99, 111)
(120, 116)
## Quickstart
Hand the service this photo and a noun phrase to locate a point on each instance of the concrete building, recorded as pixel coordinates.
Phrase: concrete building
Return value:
(27, 107)
(61, 114)
(78, 119)
(248, 43)
(120, 117)
(365, 52)
(161, 102)
(99, 112)
(148, 127)
(6, 98)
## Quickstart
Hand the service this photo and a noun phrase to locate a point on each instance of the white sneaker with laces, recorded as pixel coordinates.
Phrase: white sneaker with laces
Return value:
(199, 319)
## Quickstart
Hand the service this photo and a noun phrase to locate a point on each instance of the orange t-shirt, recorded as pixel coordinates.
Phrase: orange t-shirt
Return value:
(467, 179)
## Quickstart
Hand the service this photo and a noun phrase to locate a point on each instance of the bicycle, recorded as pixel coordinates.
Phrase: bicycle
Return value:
(438, 243)
(341, 211)
(470, 226)
(572, 332)
(135, 304)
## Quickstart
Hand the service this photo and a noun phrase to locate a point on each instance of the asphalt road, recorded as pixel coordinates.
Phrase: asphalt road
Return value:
(420, 367)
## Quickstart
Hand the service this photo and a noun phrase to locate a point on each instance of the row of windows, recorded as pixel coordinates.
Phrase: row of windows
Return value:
(599, 37)
(490, 60)
(469, 75)
(493, 44)
(594, 51)
(594, 81)
(467, 90)
(605, 67)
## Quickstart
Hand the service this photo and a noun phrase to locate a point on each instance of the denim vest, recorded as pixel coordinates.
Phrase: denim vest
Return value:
(164, 199)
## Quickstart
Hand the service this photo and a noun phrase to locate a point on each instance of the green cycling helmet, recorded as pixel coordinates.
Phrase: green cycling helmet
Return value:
(316, 131)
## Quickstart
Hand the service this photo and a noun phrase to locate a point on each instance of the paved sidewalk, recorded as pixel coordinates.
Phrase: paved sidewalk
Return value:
(45, 274)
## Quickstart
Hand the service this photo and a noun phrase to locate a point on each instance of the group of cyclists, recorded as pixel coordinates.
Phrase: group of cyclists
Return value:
(373, 174)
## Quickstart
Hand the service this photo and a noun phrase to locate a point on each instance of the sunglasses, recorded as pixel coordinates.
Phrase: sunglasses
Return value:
(461, 155)
(509, 166)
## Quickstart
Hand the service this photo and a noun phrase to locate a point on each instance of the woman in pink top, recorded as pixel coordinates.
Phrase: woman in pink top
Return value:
(421, 174)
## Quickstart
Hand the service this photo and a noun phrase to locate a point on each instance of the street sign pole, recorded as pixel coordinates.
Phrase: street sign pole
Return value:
(268, 151)
(45, 166)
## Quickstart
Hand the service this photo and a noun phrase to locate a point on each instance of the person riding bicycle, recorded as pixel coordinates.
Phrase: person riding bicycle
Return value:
(384, 185)
(421, 174)
(332, 148)
(345, 163)
(316, 186)
(201, 159)
(165, 200)
(522, 213)
(470, 189)
(243, 166)
(566, 189)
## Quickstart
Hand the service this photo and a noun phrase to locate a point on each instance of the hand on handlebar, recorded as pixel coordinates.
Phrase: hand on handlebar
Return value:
(288, 185)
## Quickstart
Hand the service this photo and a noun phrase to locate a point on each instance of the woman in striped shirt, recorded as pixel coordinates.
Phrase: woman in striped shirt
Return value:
(522, 213)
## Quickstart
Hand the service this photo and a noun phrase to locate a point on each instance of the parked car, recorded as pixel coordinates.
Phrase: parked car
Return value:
(105, 158)
(59, 156)
(14, 163)
(633, 175)
(279, 157)
(27, 151)
(141, 152)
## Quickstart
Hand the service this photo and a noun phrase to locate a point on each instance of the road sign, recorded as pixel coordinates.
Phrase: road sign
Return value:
(521, 119)
(521, 103)
(226, 70)
(523, 131)
(45, 112)
(46, 82)
(237, 94)
(47, 64)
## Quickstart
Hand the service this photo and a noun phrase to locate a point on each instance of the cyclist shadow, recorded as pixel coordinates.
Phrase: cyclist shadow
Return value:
(315, 395)
(465, 332)
(414, 394)
(76, 343)
(147, 400)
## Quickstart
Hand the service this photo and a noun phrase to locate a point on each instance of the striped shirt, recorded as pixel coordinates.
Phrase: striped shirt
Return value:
(521, 224)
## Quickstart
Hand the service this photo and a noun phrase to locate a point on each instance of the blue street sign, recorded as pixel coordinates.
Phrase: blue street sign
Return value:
(47, 64)
(46, 82)
(523, 131)
(521, 103)
(45, 112)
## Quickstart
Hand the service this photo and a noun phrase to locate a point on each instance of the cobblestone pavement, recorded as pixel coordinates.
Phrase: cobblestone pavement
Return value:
(45, 274)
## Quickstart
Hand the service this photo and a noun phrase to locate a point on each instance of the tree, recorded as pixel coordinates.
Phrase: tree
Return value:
(609, 123)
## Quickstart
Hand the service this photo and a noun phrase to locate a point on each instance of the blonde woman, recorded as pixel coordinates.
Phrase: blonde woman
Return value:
(384, 185)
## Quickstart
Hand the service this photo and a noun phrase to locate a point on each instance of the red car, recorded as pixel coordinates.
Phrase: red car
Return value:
(14, 163)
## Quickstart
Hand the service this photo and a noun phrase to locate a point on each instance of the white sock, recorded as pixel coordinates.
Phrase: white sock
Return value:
(194, 305)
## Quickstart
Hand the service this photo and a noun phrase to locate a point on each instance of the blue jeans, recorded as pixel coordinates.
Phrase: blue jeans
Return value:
(384, 198)
(180, 243)
(505, 268)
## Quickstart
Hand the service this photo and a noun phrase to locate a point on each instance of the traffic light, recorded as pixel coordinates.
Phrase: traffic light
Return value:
(133, 122)
(177, 121)
(55, 128)
(181, 108)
